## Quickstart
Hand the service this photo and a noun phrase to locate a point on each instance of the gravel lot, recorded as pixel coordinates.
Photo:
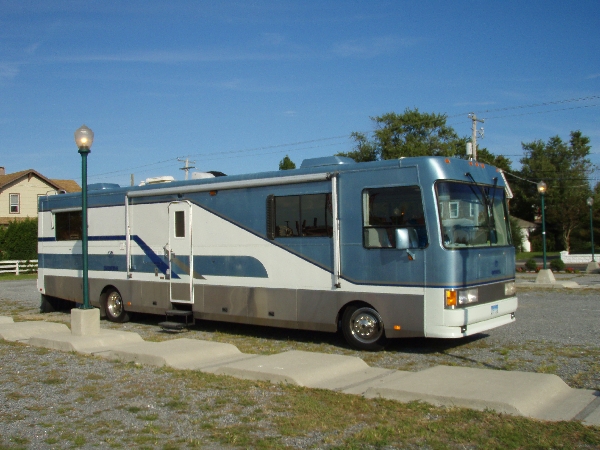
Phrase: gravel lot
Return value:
(50, 399)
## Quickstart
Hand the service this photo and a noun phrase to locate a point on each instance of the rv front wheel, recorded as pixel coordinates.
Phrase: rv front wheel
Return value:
(113, 305)
(362, 327)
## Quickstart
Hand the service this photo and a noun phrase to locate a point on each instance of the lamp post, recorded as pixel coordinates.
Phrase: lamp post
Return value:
(541, 187)
(84, 137)
(590, 203)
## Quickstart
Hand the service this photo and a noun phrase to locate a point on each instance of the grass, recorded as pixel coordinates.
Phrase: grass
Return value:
(254, 414)
(250, 414)
(524, 256)
(12, 276)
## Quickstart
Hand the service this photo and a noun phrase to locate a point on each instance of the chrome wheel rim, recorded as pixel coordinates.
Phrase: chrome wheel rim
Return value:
(366, 325)
(114, 304)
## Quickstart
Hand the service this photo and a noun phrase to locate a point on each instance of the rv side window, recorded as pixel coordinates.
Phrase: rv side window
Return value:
(387, 209)
(301, 216)
(179, 224)
(68, 226)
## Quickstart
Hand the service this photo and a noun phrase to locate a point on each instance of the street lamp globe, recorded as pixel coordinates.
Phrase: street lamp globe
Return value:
(541, 187)
(590, 201)
(84, 137)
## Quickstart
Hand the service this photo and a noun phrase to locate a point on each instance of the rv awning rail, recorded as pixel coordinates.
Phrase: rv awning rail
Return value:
(294, 179)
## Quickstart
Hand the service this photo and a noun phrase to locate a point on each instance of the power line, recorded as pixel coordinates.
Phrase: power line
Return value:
(285, 145)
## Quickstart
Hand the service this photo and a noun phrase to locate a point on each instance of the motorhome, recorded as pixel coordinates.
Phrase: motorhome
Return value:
(376, 250)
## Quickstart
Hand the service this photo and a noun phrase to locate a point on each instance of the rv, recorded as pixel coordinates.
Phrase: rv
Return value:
(387, 249)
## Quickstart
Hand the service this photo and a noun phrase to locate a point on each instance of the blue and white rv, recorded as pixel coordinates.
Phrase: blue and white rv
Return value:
(376, 250)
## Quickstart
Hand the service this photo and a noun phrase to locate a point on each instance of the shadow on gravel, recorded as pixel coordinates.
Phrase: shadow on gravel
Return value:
(423, 346)
(417, 346)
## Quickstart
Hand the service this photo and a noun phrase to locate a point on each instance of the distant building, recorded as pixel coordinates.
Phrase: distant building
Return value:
(526, 229)
(19, 193)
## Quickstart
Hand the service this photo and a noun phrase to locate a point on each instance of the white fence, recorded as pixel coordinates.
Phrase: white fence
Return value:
(576, 259)
(18, 267)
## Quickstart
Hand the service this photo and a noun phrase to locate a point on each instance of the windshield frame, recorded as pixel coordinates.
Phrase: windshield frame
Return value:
(472, 215)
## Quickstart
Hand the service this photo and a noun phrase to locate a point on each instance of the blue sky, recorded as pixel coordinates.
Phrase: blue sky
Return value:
(237, 85)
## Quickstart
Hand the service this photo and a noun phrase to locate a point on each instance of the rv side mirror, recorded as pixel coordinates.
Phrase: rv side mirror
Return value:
(406, 238)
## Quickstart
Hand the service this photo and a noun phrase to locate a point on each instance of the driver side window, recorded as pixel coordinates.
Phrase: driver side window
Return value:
(387, 209)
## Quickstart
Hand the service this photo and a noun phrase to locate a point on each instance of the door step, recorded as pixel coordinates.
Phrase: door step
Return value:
(186, 318)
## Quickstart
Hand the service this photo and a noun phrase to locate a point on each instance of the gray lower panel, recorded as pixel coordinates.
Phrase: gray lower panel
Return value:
(288, 308)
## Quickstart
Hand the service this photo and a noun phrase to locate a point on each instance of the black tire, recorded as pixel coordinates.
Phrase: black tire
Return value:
(363, 328)
(114, 306)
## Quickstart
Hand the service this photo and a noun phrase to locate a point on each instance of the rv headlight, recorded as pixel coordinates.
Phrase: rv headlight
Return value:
(468, 296)
(510, 289)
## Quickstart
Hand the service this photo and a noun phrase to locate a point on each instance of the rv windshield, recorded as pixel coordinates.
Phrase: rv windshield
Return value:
(472, 215)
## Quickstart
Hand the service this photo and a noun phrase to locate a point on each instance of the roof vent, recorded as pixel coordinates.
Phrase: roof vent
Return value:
(209, 174)
(157, 180)
(99, 187)
(201, 175)
(326, 161)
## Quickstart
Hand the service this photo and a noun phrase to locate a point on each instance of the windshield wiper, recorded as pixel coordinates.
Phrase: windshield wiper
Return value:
(489, 203)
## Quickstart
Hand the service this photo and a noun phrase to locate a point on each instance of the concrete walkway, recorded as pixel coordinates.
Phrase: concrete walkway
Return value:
(535, 395)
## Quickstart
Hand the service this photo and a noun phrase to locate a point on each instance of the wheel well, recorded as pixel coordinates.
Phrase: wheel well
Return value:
(103, 296)
(357, 303)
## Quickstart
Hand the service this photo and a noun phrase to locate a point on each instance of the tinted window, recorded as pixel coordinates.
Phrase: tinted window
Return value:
(386, 209)
(303, 216)
(68, 226)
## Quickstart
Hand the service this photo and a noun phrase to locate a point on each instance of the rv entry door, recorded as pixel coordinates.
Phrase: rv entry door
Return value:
(181, 261)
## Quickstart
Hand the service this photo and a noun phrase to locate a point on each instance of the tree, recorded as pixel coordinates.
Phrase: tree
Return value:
(564, 168)
(286, 164)
(411, 133)
(516, 234)
(500, 161)
(19, 240)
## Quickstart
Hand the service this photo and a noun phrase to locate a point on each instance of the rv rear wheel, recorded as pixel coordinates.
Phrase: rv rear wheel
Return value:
(362, 327)
(113, 305)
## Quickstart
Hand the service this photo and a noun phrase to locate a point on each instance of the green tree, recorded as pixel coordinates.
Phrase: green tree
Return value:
(500, 161)
(564, 168)
(286, 164)
(516, 234)
(19, 240)
(411, 133)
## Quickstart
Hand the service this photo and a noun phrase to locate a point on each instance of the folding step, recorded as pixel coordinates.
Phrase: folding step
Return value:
(179, 312)
(173, 325)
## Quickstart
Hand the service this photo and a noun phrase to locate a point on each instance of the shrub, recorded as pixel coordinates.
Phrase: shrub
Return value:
(530, 264)
(19, 240)
(557, 265)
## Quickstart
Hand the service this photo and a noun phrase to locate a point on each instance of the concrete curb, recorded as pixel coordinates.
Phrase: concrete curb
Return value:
(67, 342)
(535, 395)
(23, 331)
(184, 353)
(556, 285)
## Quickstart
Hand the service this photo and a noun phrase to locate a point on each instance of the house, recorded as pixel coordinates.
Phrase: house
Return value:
(526, 229)
(19, 193)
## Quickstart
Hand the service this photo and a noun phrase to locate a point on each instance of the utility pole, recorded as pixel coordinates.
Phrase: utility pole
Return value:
(187, 166)
(475, 131)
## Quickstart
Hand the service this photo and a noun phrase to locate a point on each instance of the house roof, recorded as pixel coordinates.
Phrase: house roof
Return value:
(526, 224)
(67, 185)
